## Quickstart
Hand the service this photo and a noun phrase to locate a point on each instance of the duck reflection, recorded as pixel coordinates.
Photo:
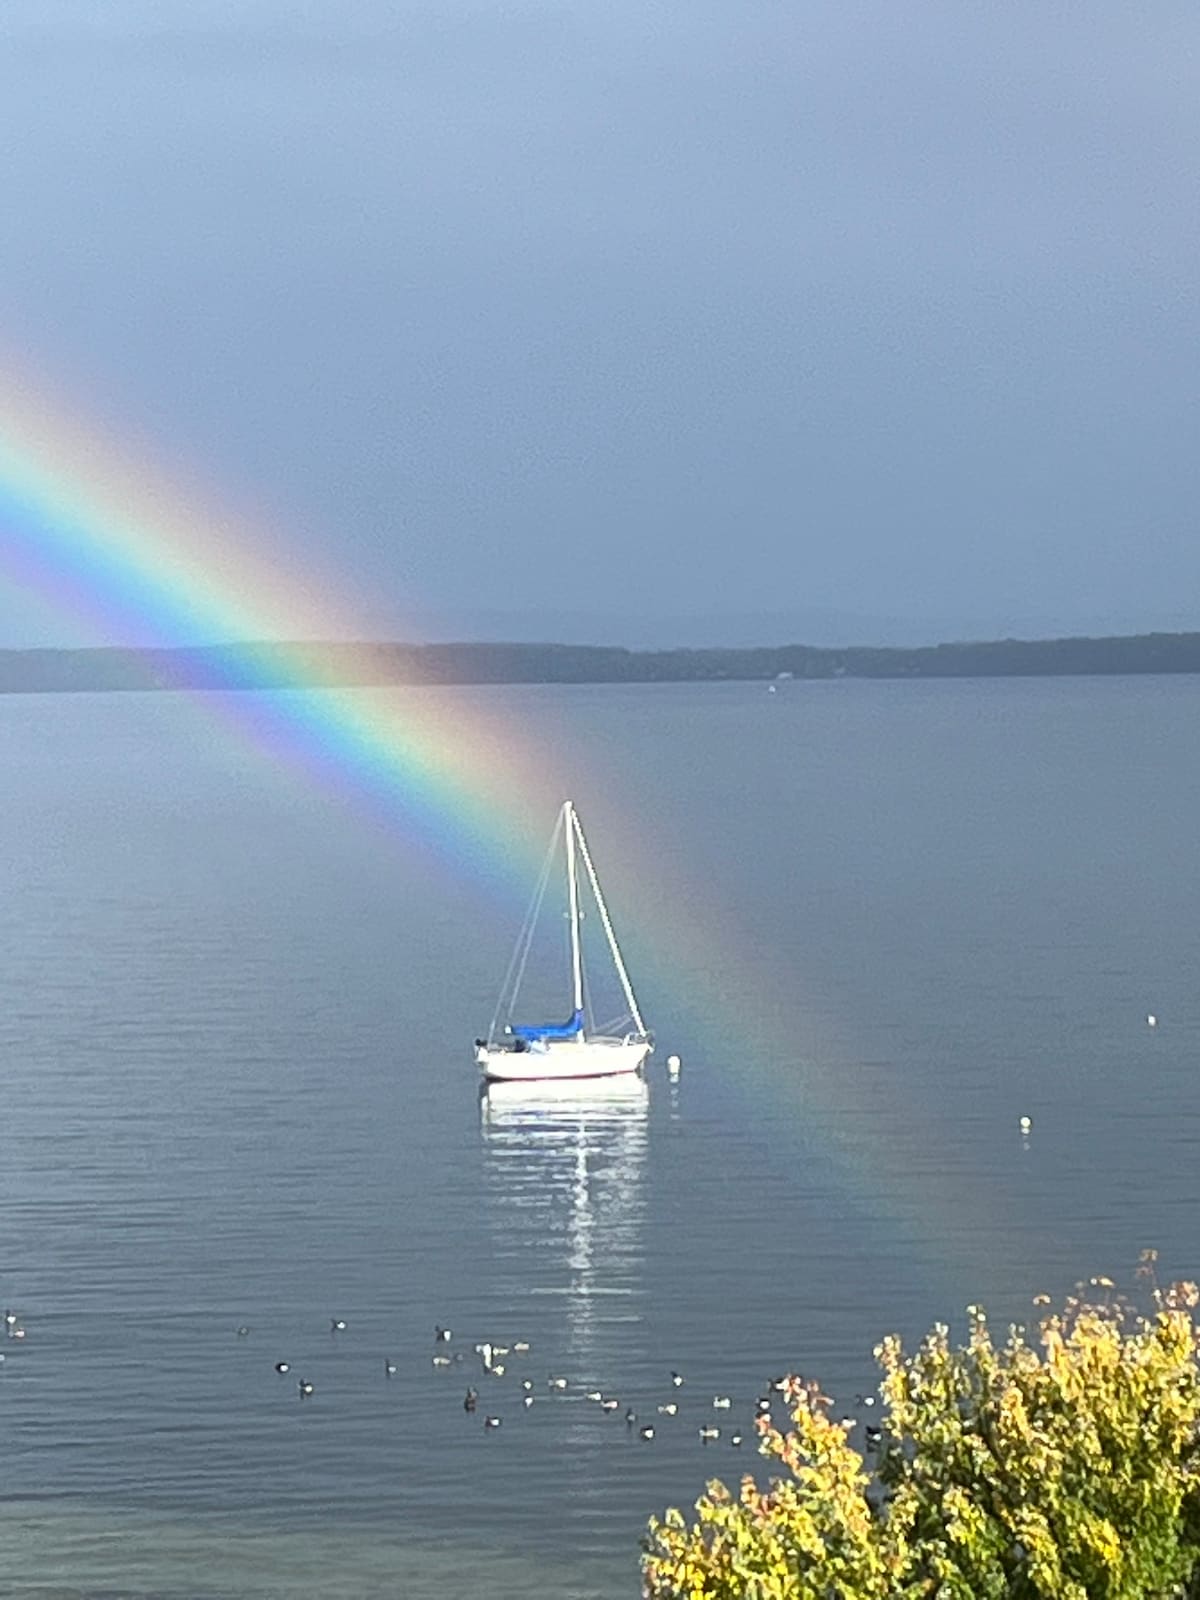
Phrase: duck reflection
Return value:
(563, 1169)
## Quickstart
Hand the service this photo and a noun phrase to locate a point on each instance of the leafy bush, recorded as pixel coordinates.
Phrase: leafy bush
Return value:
(1068, 1469)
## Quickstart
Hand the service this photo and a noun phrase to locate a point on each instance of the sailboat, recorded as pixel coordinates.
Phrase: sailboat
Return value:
(578, 1047)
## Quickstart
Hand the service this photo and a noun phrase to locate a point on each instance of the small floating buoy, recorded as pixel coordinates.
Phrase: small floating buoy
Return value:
(674, 1066)
(668, 1410)
(735, 1439)
(1026, 1124)
(283, 1366)
(676, 1380)
(594, 1394)
(721, 1402)
(646, 1433)
(630, 1417)
(709, 1433)
(442, 1335)
(1152, 1021)
(305, 1388)
(337, 1325)
(557, 1383)
(243, 1331)
(389, 1368)
(491, 1422)
(526, 1400)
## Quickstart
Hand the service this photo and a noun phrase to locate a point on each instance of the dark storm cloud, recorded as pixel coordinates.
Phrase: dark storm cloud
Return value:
(654, 309)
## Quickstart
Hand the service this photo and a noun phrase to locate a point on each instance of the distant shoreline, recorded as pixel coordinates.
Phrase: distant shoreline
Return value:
(382, 665)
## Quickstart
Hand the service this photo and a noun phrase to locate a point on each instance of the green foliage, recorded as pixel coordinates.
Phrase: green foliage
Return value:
(1068, 1469)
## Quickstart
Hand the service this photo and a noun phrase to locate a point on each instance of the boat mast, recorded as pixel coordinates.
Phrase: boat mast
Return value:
(575, 831)
(572, 823)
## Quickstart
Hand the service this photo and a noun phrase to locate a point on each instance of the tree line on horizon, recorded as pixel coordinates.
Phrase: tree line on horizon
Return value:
(349, 664)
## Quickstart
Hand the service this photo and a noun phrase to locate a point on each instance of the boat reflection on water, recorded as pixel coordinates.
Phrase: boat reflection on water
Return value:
(563, 1169)
(532, 1101)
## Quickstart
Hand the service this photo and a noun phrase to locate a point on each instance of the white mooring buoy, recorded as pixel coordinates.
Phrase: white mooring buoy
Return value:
(1152, 1021)
(674, 1066)
(1026, 1124)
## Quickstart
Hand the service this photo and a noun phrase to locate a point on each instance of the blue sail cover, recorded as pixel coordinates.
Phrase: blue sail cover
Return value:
(551, 1030)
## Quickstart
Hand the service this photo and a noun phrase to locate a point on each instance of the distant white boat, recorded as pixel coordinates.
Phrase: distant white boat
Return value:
(578, 1047)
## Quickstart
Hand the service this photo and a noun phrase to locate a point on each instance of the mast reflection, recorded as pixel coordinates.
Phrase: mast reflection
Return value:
(563, 1171)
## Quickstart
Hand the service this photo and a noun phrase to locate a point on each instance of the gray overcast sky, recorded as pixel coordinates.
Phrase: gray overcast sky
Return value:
(870, 316)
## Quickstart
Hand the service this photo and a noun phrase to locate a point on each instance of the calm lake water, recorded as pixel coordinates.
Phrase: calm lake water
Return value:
(884, 922)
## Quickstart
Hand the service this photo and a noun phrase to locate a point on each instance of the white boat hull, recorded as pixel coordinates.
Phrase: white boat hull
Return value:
(562, 1059)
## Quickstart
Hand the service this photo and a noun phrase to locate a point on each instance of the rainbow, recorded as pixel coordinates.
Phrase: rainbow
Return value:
(114, 548)
(109, 547)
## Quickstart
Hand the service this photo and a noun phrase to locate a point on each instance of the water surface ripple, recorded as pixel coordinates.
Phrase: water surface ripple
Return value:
(235, 1030)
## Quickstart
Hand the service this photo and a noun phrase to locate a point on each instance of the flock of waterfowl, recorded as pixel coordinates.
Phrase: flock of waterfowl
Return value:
(659, 1413)
(647, 1424)
(644, 1425)
(493, 1361)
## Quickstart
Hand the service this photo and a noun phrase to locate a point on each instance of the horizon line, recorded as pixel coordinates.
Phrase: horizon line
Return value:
(562, 644)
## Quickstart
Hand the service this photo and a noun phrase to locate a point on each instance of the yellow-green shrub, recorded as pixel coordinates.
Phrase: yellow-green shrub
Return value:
(1065, 1470)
